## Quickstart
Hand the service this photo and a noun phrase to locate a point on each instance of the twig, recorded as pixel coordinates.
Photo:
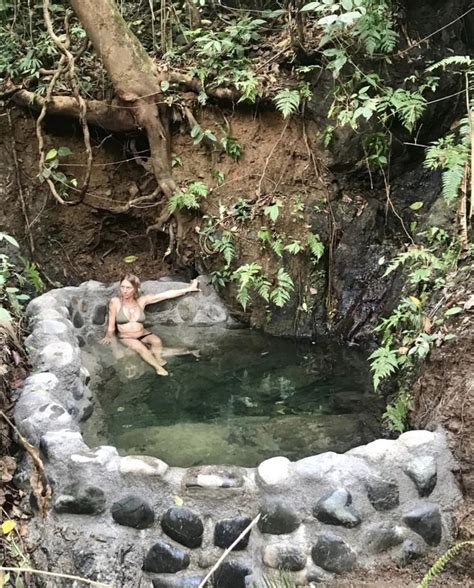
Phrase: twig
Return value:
(55, 575)
(39, 485)
(229, 549)
(75, 87)
(19, 186)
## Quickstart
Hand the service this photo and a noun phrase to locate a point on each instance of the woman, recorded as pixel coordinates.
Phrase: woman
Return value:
(127, 315)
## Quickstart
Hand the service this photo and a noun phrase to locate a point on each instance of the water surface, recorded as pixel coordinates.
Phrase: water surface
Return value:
(247, 397)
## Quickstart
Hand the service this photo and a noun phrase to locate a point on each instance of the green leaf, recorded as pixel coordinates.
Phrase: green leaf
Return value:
(130, 258)
(4, 314)
(64, 152)
(9, 239)
(52, 154)
(416, 205)
(453, 311)
(310, 6)
(164, 85)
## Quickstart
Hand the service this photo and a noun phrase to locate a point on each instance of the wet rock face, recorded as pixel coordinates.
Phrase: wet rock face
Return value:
(335, 508)
(133, 511)
(183, 526)
(164, 558)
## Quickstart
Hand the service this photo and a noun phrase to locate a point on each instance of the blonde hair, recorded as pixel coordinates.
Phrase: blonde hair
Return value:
(135, 281)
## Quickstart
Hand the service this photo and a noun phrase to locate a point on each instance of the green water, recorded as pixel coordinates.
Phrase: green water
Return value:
(247, 397)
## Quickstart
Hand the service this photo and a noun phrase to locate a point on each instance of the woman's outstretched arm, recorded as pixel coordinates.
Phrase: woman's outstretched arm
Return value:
(152, 298)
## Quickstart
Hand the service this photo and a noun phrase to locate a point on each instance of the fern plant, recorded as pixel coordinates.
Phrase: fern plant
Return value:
(396, 413)
(281, 293)
(190, 198)
(441, 563)
(249, 277)
(287, 101)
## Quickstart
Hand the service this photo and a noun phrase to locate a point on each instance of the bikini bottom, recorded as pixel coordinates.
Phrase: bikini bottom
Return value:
(137, 338)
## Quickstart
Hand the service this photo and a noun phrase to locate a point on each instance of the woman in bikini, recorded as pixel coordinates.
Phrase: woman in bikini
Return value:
(127, 315)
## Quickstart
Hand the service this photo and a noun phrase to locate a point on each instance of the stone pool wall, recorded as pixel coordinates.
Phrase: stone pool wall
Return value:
(134, 521)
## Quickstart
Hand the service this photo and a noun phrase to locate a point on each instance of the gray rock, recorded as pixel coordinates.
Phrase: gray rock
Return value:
(284, 557)
(163, 558)
(183, 525)
(333, 554)
(334, 508)
(379, 537)
(231, 574)
(78, 499)
(214, 477)
(383, 494)
(411, 551)
(274, 471)
(278, 519)
(78, 320)
(99, 314)
(227, 531)
(425, 520)
(47, 417)
(133, 511)
(422, 470)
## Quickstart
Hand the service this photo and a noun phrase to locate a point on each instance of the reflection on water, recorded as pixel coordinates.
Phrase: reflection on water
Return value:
(247, 397)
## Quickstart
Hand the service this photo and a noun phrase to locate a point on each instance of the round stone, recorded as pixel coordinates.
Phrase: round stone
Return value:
(142, 465)
(383, 494)
(426, 521)
(274, 471)
(81, 500)
(133, 511)
(165, 558)
(334, 508)
(77, 320)
(422, 470)
(184, 526)
(284, 557)
(382, 536)
(411, 551)
(227, 531)
(278, 519)
(99, 314)
(231, 575)
(333, 554)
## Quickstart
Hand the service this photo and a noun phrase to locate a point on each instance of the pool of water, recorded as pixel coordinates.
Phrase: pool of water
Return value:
(247, 397)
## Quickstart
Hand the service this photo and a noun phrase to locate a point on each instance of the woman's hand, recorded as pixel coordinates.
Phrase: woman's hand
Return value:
(194, 286)
(107, 340)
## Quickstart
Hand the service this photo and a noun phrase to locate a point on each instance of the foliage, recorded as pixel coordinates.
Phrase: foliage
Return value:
(51, 170)
(287, 101)
(249, 277)
(13, 283)
(281, 293)
(396, 413)
(441, 562)
(190, 198)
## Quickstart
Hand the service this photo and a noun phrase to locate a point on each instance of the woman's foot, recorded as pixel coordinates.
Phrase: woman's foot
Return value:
(160, 370)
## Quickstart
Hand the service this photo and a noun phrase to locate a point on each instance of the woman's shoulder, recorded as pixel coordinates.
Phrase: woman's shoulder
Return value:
(115, 301)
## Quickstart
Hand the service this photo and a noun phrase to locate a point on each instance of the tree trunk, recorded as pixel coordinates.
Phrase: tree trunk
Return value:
(134, 77)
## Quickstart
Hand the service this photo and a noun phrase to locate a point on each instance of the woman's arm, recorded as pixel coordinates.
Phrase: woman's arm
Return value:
(111, 323)
(152, 298)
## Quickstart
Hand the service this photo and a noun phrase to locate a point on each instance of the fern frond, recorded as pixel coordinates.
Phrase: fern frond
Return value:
(383, 363)
(287, 101)
(440, 564)
(451, 60)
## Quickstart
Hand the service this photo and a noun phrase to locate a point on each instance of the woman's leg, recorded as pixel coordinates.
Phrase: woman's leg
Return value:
(146, 354)
(156, 347)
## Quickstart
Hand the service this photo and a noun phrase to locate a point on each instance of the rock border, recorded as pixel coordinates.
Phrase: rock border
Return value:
(128, 519)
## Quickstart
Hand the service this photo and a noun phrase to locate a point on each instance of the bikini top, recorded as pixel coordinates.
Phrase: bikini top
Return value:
(122, 318)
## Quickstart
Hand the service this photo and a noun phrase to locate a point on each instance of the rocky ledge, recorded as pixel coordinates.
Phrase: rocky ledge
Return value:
(135, 521)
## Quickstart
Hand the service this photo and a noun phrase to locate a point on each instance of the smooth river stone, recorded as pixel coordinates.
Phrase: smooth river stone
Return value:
(422, 470)
(77, 499)
(142, 465)
(274, 470)
(334, 508)
(379, 537)
(183, 525)
(165, 558)
(333, 554)
(227, 531)
(284, 557)
(425, 520)
(278, 519)
(133, 511)
(383, 494)
(231, 575)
